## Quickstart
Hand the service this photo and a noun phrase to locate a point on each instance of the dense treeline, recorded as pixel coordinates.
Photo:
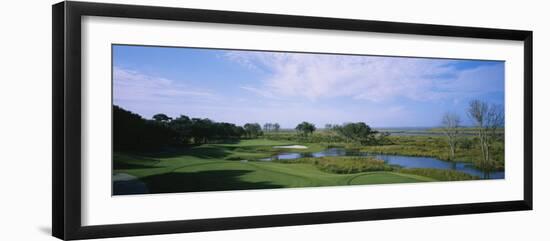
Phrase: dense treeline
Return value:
(353, 132)
(132, 132)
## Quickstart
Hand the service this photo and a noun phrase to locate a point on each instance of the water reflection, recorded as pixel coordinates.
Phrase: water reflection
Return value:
(403, 161)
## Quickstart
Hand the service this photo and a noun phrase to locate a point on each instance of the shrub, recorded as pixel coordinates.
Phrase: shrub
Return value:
(344, 164)
(439, 174)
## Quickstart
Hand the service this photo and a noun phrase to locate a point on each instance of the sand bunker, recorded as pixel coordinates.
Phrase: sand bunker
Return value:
(292, 147)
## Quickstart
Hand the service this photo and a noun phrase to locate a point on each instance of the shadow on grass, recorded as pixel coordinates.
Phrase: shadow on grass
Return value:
(219, 180)
(129, 187)
(214, 150)
(118, 165)
(196, 151)
(132, 161)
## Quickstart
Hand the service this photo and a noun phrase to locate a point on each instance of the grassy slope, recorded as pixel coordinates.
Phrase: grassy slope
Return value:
(206, 168)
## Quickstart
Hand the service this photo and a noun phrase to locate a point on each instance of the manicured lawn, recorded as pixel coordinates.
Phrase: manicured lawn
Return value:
(387, 177)
(215, 167)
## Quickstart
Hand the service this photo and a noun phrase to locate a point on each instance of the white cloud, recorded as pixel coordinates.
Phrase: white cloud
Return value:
(361, 77)
(131, 85)
(260, 92)
(484, 78)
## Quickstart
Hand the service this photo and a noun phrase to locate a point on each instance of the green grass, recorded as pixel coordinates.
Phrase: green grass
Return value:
(438, 174)
(236, 166)
(384, 177)
(464, 130)
(213, 167)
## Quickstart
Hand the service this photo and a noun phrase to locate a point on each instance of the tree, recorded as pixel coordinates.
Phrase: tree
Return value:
(487, 120)
(356, 132)
(477, 111)
(132, 132)
(495, 120)
(276, 127)
(329, 130)
(202, 130)
(161, 118)
(253, 130)
(451, 123)
(182, 126)
(269, 127)
(305, 128)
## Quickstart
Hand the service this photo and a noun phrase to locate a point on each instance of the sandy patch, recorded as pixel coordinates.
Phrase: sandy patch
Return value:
(292, 147)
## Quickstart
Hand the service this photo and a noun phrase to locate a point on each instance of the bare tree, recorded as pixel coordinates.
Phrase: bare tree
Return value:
(451, 124)
(495, 120)
(487, 120)
(329, 130)
(477, 111)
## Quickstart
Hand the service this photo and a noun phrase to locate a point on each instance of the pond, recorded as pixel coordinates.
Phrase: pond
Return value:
(403, 161)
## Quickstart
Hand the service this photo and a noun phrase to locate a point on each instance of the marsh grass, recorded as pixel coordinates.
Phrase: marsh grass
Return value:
(344, 164)
(415, 145)
(435, 146)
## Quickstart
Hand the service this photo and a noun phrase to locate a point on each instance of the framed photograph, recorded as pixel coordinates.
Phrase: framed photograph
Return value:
(170, 120)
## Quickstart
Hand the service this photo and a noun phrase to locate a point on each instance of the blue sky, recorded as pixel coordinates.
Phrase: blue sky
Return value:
(288, 88)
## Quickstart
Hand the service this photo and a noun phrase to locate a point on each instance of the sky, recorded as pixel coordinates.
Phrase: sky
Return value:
(287, 88)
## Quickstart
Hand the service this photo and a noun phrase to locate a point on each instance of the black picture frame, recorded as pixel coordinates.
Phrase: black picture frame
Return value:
(66, 47)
